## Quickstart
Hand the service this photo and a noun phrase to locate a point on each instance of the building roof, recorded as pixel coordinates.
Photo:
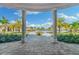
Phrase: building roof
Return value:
(37, 6)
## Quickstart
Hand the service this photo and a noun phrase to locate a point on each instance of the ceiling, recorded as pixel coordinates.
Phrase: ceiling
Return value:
(37, 6)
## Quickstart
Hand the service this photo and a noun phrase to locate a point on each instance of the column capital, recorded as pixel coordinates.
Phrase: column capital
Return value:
(53, 9)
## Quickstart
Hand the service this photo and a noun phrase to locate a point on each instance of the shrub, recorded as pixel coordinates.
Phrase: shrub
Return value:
(9, 37)
(39, 33)
(69, 38)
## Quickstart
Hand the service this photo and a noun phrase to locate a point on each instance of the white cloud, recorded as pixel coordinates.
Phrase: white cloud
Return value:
(45, 25)
(12, 21)
(30, 12)
(18, 13)
(66, 16)
(69, 19)
(73, 17)
(62, 15)
(77, 14)
(49, 19)
(49, 23)
(32, 25)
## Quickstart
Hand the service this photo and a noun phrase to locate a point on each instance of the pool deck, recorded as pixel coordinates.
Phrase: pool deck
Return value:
(39, 45)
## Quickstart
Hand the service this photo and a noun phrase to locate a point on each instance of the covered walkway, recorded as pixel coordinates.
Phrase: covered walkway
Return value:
(33, 44)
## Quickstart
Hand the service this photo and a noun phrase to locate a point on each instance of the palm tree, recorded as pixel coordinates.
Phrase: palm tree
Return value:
(4, 22)
(12, 27)
(66, 26)
(75, 26)
(60, 23)
(18, 24)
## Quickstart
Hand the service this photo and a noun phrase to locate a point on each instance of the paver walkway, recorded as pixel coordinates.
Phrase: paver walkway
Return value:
(38, 45)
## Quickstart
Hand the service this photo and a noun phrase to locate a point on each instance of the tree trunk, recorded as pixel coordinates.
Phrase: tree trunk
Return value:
(59, 29)
(71, 31)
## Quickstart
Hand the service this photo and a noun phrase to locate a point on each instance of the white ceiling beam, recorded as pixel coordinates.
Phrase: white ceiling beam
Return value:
(37, 6)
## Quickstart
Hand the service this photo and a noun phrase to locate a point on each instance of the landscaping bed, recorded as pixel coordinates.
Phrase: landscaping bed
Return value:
(68, 38)
(10, 37)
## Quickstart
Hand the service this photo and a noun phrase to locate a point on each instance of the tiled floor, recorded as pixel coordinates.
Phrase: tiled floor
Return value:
(38, 45)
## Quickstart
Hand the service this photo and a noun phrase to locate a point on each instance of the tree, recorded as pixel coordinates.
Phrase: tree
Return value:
(12, 27)
(66, 26)
(50, 29)
(4, 22)
(60, 23)
(18, 24)
(75, 26)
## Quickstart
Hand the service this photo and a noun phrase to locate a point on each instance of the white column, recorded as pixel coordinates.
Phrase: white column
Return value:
(23, 26)
(55, 24)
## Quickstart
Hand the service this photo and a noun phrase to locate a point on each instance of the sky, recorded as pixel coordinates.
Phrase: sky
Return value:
(38, 19)
(70, 14)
